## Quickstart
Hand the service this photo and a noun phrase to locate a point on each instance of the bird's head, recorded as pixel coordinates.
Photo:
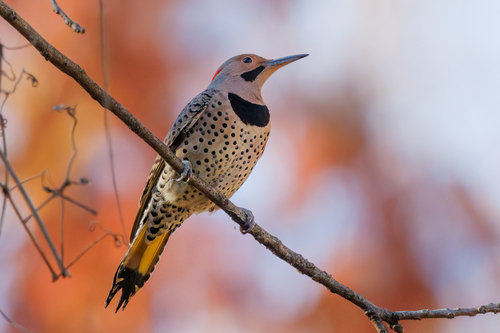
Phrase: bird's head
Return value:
(245, 74)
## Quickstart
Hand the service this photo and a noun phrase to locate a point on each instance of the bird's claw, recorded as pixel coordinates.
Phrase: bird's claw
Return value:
(249, 222)
(186, 173)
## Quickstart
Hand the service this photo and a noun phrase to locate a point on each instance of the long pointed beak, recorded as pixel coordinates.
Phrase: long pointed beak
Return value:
(278, 63)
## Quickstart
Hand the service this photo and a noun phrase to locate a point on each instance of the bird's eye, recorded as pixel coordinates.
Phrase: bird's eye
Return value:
(247, 60)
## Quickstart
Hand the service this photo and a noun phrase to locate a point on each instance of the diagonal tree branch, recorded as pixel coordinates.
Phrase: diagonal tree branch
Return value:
(376, 314)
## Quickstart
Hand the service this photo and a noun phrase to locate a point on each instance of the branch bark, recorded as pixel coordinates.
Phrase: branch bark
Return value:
(376, 314)
(447, 313)
(75, 26)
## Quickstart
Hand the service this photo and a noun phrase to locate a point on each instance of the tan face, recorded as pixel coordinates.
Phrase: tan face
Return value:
(240, 64)
(245, 74)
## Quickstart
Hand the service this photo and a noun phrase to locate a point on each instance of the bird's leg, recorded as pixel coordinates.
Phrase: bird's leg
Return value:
(186, 173)
(249, 222)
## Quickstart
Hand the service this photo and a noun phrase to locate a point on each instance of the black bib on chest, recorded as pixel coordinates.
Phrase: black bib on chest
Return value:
(249, 113)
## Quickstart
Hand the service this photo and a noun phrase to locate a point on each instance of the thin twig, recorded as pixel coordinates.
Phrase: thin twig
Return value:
(55, 193)
(4, 143)
(3, 122)
(107, 233)
(4, 205)
(15, 48)
(14, 323)
(1, 71)
(45, 202)
(30, 77)
(47, 184)
(71, 112)
(10, 66)
(9, 170)
(61, 234)
(31, 178)
(6, 194)
(76, 203)
(27, 199)
(447, 313)
(107, 126)
(75, 26)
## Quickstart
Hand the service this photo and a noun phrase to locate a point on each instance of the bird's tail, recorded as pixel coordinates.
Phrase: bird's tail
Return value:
(136, 267)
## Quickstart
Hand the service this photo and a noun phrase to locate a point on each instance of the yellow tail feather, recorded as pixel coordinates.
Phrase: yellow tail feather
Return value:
(137, 266)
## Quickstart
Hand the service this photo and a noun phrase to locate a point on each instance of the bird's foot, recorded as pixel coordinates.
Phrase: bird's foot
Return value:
(186, 173)
(249, 222)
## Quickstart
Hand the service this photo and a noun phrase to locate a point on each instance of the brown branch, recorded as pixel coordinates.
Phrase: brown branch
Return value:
(447, 313)
(75, 26)
(376, 314)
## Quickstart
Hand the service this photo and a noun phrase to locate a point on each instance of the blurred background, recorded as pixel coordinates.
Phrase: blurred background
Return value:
(382, 165)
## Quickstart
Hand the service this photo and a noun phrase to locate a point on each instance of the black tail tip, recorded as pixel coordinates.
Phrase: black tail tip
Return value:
(129, 281)
(124, 299)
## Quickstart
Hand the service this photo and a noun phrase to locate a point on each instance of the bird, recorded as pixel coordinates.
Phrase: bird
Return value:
(219, 136)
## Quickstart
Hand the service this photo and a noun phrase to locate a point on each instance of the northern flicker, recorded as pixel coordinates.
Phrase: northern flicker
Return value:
(220, 135)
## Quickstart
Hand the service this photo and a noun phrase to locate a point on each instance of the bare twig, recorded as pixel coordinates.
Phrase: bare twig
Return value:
(75, 26)
(56, 192)
(13, 48)
(109, 138)
(4, 141)
(27, 199)
(118, 239)
(6, 194)
(47, 184)
(14, 323)
(61, 231)
(71, 112)
(76, 203)
(2, 72)
(4, 201)
(109, 143)
(447, 313)
(8, 93)
(31, 178)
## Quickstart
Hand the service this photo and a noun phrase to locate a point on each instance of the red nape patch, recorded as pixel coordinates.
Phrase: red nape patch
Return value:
(216, 73)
